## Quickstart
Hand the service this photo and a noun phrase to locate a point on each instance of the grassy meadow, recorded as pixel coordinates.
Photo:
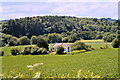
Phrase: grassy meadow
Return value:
(101, 62)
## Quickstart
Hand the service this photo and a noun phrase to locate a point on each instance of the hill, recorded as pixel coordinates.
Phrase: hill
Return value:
(67, 27)
(40, 25)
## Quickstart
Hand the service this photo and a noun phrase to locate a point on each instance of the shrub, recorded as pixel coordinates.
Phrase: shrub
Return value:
(15, 51)
(6, 38)
(80, 46)
(13, 41)
(34, 50)
(65, 39)
(42, 51)
(34, 40)
(9, 40)
(27, 50)
(42, 43)
(39, 51)
(1, 53)
(115, 43)
(24, 40)
(109, 37)
(54, 37)
(60, 50)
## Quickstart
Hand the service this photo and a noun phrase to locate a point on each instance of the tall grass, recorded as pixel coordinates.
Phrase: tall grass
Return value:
(101, 62)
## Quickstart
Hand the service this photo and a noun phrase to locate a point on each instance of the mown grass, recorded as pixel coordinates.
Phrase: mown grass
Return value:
(8, 49)
(103, 62)
(97, 45)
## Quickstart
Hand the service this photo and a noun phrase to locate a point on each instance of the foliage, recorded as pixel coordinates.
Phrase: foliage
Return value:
(76, 52)
(79, 28)
(7, 50)
(115, 43)
(60, 50)
(27, 50)
(15, 51)
(42, 43)
(109, 37)
(52, 38)
(9, 40)
(13, 41)
(34, 40)
(96, 44)
(24, 40)
(34, 50)
(1, 53)
(65, 39)
(42, 51)
(80, 46)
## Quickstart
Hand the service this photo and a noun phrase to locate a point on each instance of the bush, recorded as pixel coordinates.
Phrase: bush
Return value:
(60, 50)
(109, 37)
(27, 50)
(15, 51)
(13, 41)
(24, 40)
(42, 51)
(1, 53)
(9, 40)
(115, 43)
(54, 37)
(65, 39)
(42, 43)
(34, 50)
(80, 46)
(39, 51)
(34, 40)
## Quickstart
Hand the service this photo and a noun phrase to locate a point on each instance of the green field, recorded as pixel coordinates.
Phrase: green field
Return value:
(101, 62)
(97, 45)
(7, 49)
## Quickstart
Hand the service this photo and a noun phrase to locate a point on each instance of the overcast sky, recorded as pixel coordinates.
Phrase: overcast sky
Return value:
(13, 9)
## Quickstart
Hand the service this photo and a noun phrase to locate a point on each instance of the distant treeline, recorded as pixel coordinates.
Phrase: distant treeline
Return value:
(60, 28)
(9, 40)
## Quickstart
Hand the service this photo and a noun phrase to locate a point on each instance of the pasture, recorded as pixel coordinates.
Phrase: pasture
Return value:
(101, 62)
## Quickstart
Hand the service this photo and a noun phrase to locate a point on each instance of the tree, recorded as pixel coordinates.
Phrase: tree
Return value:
(24, 40)
(13, 41)
(9, 39)
(95, 19)
(42, 43)
(85, 28)
(109, 37)
(80, 46)
(34, 40)
(15, 51)
(52, 38)
(60, 50)
(115, 43)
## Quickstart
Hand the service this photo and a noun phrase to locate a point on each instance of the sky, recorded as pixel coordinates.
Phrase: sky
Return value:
(11, 9)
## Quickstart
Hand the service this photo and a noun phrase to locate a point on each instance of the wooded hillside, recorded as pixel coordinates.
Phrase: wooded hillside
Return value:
(40, 25)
